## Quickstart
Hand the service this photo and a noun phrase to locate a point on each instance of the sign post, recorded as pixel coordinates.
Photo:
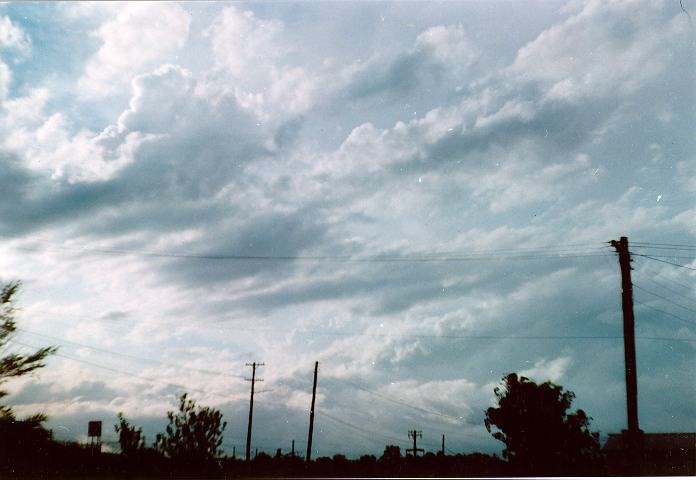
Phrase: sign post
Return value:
(94, 432)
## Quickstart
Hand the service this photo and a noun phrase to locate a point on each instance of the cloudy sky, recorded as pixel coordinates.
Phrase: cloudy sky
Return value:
(416, 195)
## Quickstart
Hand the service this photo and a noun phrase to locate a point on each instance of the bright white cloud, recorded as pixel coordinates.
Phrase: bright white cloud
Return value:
(544, 370)
(140, 37)
(13, 37)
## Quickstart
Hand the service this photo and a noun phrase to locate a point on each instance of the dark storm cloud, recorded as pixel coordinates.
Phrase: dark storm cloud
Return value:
(250, 233)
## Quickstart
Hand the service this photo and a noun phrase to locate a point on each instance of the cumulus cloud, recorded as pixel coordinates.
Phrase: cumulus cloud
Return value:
(544, 370)
(13, 37)
(140, 36)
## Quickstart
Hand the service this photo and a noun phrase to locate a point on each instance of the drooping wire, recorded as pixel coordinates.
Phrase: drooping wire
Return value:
(676, 317)
(134, 357)
(664, 298)
(398, 401)
(115, 370)
(671, 290)
(371, 434)
(663, 261)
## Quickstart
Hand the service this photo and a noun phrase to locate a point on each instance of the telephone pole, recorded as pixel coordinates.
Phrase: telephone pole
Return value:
(632, 437)
(443, 444)
(311, 414)
(415, 434)
(253, 380)
(621, 247)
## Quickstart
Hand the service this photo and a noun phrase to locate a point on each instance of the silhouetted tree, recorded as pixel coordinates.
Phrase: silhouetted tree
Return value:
(540, 436)
(390, 460)
(130, 439)
(17, 436)
(14, 364)
(194, 432)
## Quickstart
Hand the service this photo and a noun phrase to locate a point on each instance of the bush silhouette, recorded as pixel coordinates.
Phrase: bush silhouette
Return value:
(194, 433)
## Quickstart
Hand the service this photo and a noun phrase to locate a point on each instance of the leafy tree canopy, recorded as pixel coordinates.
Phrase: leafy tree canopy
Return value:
(130, 439)
(193, 433)
(539, 433)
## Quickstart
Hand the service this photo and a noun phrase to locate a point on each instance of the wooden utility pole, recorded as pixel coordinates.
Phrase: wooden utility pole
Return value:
(443, 444)
(311, 414)
(632, 437)
(292, 451)
(415, 434)
(253, 380)
(621, 247)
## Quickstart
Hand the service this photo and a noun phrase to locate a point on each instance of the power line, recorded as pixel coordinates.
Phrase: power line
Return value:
(651, 247)
(664, 298)
(526, 253)
(399, 402)
(134, 357)
(685, 257)
(664, 261)
(371, 433)
(689, 322)
(687, 297)
(470, 337)
(115, 370)
(664, 244)
(690, 288)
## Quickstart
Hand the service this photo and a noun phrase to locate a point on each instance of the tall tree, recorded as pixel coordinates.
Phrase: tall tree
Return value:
(193, 433)
(540, 435)
(17, 436)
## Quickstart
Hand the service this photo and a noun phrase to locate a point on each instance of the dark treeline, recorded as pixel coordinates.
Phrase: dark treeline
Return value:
(61, 460)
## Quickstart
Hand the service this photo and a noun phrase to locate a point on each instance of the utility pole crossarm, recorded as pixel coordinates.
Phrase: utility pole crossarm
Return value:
(415, 435)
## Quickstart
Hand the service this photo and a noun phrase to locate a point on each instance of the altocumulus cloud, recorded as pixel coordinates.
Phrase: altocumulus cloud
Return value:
(209, 130)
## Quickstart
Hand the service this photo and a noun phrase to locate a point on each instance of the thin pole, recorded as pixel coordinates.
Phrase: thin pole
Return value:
(311, 414)
(253, 380)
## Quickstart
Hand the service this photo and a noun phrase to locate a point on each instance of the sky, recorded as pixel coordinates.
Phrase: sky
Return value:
(416, 195)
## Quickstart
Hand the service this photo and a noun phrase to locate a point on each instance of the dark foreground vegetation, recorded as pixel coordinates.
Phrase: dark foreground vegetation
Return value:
(62, 460)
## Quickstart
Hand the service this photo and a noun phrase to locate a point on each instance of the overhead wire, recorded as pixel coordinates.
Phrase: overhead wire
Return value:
(366, 431)
(115, 370)
(686, 297)
(676, 317)
(540, 252)
(664, 298)
(663, 261)
(655, 244)
(476, 337)
(398, 401)
(690, 288)
(134, 357)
